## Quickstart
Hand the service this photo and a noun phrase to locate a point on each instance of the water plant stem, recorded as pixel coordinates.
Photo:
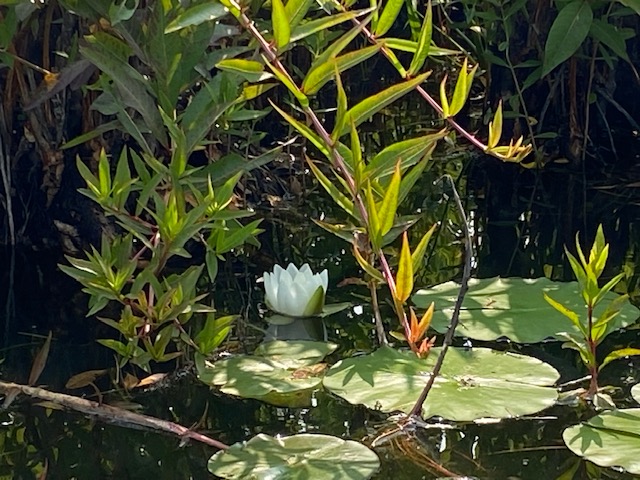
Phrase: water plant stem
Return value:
(455, 318)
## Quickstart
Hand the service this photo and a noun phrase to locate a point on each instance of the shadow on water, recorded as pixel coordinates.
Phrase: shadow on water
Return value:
(38, 298)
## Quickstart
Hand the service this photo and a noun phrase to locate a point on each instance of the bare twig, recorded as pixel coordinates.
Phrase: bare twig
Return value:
(109, 414)
(464, 286)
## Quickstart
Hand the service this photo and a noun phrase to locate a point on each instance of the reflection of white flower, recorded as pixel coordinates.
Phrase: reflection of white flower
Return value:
(296, 293)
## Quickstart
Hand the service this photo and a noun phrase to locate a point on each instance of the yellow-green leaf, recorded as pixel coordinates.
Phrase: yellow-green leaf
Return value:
(366, 266)
(463, 86)
(443, 98)
(495, 127)
(303, 129)
(292, 87)
(570, 314)
(424, 42)
(356, 152)
(373, 104)
(404, 277)
(342, 106)
(317, 77)
(251, 70)
(341, 199)
(421, 249)
(389, 205)
(281, 27)
(623, 352)
(296, 11)
(374, 222)
(388, 16)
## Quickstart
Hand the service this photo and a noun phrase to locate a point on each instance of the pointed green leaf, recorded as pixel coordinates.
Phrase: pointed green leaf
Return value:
(316, 303)
(287, 82)
(280, 22)
(367, 267)
(389, 205)
(341, 199)
(358, 161)
(568, 31)
(623, 352)
(303, 129)
(250, 70)
(196, 15)
(374, 222)
(296, 11)
(418, 254)
(463, 86)
(342, 107)
(373, 104)
(570, 314)
(104, 174)
(333, 50)
(424, 42)
(404, 277)
(388, 17)
(495, 128)
(444, 103)
(323, 23)
(317, 77)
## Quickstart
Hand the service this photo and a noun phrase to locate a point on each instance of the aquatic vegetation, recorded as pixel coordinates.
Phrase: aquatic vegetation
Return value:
(515, 308)
(593, 327)
(296, 293)
(298, 457)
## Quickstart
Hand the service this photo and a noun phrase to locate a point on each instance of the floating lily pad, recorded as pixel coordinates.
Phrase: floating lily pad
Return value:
(611, 439)
(299, 457)
(281, 373)
(513, 308)
(635, 392)
(473, 383)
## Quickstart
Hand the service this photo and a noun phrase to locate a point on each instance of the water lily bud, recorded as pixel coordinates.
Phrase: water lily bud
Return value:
(295, 293)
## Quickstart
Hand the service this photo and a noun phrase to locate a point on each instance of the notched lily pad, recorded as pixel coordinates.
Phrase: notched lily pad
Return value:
(611, 439)
(514, 308)
(474, 383)
(298, 457)
(281, 373)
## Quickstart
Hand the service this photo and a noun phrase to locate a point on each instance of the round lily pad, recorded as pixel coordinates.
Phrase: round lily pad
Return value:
(281, 373)
(514, 308)
(299, 457)
(473, 383)
(611, 439)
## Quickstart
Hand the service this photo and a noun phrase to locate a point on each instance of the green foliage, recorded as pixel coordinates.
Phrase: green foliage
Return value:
(593, 328)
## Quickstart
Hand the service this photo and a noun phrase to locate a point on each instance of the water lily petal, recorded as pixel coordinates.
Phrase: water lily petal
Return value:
(324, 279)
(283, 304)
(270, 289)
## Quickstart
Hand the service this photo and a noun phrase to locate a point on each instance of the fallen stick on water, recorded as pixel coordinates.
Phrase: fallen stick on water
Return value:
(109, 414)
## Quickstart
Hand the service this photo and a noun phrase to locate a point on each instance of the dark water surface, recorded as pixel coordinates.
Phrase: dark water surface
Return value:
(37, 298)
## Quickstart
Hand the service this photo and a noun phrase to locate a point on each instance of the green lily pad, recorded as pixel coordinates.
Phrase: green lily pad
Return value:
(635, 392)
(473, 383)
(514, 308)
(281, 373)
(299, 457)
(611, 439)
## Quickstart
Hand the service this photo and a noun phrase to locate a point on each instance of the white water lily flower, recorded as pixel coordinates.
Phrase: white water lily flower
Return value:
(296, 293)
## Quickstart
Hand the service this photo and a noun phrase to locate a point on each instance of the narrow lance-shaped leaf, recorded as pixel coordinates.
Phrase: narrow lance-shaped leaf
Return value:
(104, 174)
(342, 106)
(280, 22)
(286, 80)
(388, 17)
(444, 103)
(495, 127)
(333, 50)
(373, 104)
(418, 254)
(389, 205)
(303, 129)
(251, 70)
(366, 266)
(424, 42)
(623, 352)
(374, 222)
(341, 199)
(570, 314)
(463, 87)
(358, 161)
(323, 23)
(296, 11)
(319, 76)
(404, 277)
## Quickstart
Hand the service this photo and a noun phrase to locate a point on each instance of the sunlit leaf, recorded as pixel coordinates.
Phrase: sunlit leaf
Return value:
(280, 22)
(404, 277)
(424, 42)
(197, 14)
(388, 16)
(616, 354)
(373, 104)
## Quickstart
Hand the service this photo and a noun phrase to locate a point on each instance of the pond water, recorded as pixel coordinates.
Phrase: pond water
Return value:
(39, 442)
